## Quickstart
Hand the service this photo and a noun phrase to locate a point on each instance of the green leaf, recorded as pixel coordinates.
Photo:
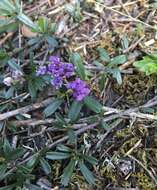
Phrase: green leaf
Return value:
(117, 75)
(72, 136)
(53, 27)
(34, 40)
(9, 93)
(148, 65)
(14, 65)
(68, 171)
(52, 41)
(120, 59)
(43, 24)
(33, 161)
(9, 27)
(53, 107)
(45, 166)
(8, 187)
(75, 110)
(3, 169)
(8, 6)
(57, 155)
(105, 125)
(35, 84)
(90, 159)
(3, 54)
(77, 61)
(104, 56)
(93, 104)
(60, 119)
(6, 147)
(14, 154)
(87, 173)
(63, 148)
(32, 89)
(27, 21)
(125, 42)
(102, 81)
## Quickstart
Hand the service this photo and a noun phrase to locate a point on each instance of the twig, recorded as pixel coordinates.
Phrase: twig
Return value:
(5, 38)
(128, 16)
(63, 139)
(109, 131)
(133, 112)
(145, 168)
(125, 4)
(25, 109)
(133, 46)
(35, 122)
(82, 130)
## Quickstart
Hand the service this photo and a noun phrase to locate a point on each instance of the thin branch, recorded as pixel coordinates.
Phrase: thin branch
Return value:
(145, 168)
(25, 109)
(132, 19)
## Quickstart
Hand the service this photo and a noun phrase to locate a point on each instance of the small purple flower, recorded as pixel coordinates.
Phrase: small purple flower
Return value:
(68, 69)
(79, 88)
(41, 70)
(57, 82)
(59, 70)
(54, 59)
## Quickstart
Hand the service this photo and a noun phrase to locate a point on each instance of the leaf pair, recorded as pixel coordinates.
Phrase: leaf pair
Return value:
(69, 169)
(112, 64)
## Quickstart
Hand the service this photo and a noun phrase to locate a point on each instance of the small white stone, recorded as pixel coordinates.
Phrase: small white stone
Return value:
(8, 81)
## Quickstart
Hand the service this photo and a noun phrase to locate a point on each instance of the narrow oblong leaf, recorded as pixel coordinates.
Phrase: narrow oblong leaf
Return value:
(77, 61)
(104, 56)
(75, 110)
(93, 104)
(27, 21)
(43, 24)
(68, 171)
(52, 41)
(45, 166)
(117, 75)
(33, 161)
(14, 154)
(120, 59)
(8, 187)
(57, 155)
(7, 5)
(14, 65)
(31, 88)
(63, 148)
(7, 147)
(9, 92)
(3, 169)
(53, 107)
(87, 173)
(72, 136)
(90, 159)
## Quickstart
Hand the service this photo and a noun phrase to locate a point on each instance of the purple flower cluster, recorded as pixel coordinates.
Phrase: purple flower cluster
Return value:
(61, 71)
(79, 88)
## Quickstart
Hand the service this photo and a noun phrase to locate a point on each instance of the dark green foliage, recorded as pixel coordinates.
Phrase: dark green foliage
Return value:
(77, 61)
(74, 110)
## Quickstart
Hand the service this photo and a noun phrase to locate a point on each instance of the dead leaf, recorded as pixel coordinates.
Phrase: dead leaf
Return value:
(26, 32)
